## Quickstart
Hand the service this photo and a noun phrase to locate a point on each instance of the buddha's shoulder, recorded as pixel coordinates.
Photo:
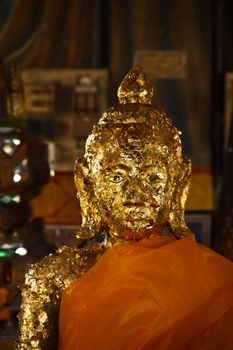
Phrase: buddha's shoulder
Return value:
(42, 291)
(58, 270)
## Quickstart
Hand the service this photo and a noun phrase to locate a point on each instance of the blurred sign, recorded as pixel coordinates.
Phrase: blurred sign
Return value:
(162, 64)
(63, 105)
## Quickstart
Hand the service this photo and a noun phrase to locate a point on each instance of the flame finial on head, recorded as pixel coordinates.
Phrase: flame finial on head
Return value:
(135, 88)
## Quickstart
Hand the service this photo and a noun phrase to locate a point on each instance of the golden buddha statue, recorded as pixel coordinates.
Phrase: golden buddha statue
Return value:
(136, 289)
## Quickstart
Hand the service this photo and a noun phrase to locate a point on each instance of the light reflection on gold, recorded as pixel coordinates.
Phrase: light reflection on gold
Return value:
(131, 181)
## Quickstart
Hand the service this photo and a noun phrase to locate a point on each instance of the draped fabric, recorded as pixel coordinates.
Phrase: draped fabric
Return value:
(49, 33)
(154, 294)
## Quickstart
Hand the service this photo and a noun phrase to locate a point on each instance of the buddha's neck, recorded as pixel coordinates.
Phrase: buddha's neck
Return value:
(115, 237)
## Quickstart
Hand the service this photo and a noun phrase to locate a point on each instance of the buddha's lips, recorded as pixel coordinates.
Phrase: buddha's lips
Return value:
(139, 204)
(134, 204)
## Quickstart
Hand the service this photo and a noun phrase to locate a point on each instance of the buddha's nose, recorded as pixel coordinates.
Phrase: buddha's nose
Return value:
(133, 192)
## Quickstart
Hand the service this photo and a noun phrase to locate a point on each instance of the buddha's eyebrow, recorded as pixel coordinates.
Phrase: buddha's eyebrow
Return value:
(151, 165)
(117, 166)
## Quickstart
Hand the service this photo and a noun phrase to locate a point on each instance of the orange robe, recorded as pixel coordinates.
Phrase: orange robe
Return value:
(154, 294)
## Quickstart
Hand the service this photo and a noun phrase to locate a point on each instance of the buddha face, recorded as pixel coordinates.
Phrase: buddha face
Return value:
(131, 186)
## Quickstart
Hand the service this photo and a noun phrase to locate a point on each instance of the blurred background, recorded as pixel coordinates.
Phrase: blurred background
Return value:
(62, 62)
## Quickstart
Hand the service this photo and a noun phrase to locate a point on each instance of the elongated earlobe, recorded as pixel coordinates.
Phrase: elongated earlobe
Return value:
(176, 219)
(91, 224)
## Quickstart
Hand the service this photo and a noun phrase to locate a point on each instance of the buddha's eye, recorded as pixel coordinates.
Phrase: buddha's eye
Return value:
(153, 177)
(116, 178)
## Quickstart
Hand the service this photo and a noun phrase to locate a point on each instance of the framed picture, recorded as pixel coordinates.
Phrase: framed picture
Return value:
(200, 223)
(63, 105)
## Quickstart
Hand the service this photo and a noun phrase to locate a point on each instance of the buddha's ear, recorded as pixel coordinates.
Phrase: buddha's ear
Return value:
(81, 177)
(176, 219)
(88, 203)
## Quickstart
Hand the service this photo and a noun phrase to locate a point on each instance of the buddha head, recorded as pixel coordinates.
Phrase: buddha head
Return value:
(133, 178)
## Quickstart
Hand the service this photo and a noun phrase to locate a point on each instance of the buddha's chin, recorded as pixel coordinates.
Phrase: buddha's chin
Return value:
(134, 218)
